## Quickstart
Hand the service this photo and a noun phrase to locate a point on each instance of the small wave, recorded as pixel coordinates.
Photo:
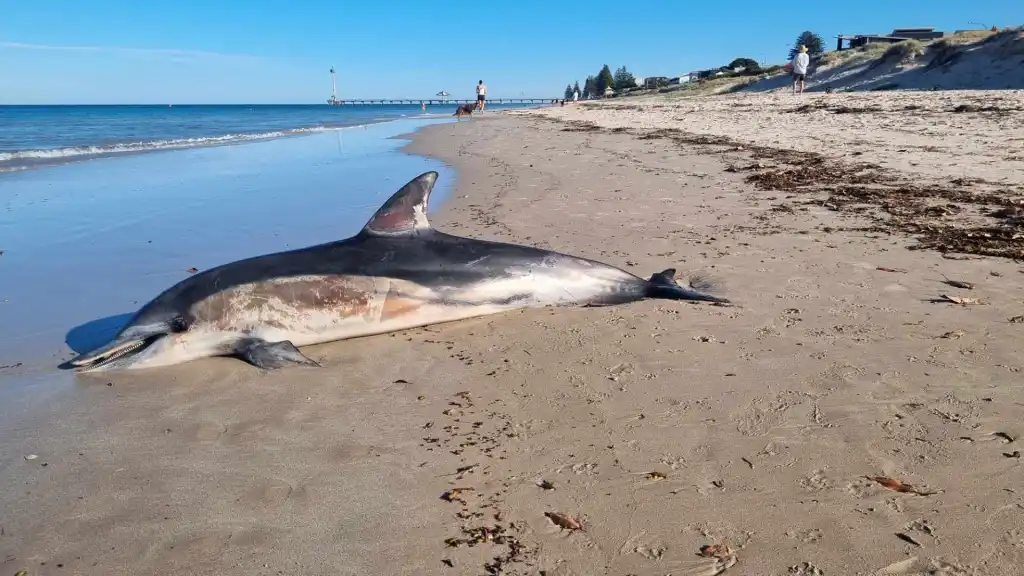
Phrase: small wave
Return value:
(11, 160)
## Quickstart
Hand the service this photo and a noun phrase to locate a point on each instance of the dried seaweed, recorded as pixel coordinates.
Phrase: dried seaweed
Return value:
(896, 485)
(894, 204)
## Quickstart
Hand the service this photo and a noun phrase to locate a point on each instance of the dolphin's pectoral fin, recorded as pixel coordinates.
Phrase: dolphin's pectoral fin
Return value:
(273, 355)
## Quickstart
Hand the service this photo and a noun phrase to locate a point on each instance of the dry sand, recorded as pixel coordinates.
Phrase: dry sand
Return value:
(665, 426)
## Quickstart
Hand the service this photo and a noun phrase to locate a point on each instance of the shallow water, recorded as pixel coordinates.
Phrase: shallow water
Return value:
(36, 136)
(86, 244)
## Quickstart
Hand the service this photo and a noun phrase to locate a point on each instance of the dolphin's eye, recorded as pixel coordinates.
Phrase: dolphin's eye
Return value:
(178, 324)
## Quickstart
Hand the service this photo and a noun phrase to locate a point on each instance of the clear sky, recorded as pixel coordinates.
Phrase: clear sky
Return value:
(276, 51)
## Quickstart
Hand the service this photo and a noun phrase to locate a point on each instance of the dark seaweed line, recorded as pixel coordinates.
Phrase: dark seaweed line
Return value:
(893, 202)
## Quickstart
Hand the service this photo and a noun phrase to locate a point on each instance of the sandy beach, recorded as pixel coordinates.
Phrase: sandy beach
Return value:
(851, 414)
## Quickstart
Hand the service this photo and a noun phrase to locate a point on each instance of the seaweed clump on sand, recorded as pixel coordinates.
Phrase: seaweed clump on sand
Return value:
(953, 216)
(577, 126)
(948, 217)
(499, 535)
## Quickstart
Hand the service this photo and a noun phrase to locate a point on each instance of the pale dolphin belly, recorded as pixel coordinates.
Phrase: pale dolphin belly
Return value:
(316, 309)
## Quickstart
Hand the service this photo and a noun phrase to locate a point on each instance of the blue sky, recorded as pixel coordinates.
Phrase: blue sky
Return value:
(273, 51)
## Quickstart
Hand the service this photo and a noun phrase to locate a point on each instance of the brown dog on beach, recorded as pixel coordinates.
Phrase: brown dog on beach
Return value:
(464, 110)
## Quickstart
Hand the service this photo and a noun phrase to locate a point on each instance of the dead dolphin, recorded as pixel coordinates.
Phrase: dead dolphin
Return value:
(396, 273)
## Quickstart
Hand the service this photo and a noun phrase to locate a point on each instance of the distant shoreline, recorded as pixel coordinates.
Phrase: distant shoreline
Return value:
(44, 158)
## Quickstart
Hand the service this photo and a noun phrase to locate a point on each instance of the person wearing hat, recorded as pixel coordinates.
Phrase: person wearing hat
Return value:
(800, 63)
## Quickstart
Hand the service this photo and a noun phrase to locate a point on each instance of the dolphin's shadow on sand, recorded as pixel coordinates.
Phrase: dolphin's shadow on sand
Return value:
(95, 333)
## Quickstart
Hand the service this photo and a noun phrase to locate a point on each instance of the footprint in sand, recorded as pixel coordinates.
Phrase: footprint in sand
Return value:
(195, 548)
(208, 432)
(651, 553)
(198, 548)
(270, 493)
(763, 415)
(586, 468)
(790, 317)
(861, 488)
(839, 375)
(816, 481)
(805, 569)
(706, 567)
(254, 429)
(348, 453)
(807, 536)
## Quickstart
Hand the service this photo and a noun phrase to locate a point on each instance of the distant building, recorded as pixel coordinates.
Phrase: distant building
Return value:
(609, 92)
(712, 73)
(652, 82)
(897, 35)
(918, 33)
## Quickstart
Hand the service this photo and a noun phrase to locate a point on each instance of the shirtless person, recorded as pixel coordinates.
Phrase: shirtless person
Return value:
(481, 95)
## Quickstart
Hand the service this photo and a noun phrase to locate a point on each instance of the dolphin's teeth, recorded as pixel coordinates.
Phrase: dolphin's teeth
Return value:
(115, 354)
(125, 351)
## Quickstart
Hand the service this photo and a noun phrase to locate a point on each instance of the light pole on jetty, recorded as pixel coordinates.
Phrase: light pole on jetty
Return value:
(334, 89)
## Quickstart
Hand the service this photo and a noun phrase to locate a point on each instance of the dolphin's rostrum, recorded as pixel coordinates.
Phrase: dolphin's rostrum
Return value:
(396, 273)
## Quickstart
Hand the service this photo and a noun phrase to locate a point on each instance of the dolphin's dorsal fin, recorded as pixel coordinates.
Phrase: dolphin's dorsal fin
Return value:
(405, 212)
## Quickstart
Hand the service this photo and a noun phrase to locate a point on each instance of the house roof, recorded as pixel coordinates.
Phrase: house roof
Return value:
(871, 36)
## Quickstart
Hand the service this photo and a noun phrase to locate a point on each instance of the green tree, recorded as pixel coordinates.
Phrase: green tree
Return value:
(623, 79)
(576, 87)
(749, 63)
(605, 80)
(590, 88)
(815, 45)
(568, 91)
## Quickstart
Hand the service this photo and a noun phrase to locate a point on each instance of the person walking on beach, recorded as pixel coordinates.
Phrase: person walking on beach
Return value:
(800, 63)
(481, 95)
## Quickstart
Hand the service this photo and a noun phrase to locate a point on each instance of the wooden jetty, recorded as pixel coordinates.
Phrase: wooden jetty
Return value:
(435, 101)
(439, 99)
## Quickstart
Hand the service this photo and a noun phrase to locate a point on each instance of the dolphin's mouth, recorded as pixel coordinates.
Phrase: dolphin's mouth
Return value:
(115, 353)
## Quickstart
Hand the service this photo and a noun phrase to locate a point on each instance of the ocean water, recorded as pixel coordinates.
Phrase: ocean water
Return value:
(39, 136)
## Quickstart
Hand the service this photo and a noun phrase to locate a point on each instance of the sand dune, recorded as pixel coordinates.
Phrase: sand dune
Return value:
(977, 60)
(993, 63)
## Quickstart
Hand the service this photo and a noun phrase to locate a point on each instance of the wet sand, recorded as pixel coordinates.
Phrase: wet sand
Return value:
(665, 426)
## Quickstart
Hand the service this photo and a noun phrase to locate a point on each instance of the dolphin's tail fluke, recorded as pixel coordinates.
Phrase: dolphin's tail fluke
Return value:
(663, 285)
